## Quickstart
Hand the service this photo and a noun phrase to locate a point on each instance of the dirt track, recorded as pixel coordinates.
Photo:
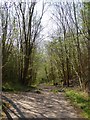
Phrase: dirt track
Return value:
(44, 105)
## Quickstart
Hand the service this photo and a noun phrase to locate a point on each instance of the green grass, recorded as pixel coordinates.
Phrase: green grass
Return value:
(80, 100)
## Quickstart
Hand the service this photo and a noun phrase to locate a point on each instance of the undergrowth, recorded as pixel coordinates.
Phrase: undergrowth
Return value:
(10, 87)
(79, 100)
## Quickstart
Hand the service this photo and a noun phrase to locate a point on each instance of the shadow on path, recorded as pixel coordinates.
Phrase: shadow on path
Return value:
(45, 105)
(14, 106)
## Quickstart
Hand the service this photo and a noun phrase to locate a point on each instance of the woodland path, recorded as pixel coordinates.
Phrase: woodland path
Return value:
(39, 105)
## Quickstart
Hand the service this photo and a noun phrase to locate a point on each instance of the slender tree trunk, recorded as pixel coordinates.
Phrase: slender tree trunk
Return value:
(25, 72)
(88, 85)
(78, 46)
(4, 52)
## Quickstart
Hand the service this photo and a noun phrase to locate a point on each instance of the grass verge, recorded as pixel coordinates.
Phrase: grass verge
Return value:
(80, 100)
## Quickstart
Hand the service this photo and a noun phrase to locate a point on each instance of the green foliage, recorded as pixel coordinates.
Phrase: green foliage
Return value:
(7, 87)
(80, 101)
(16, 87)
(64, 59)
